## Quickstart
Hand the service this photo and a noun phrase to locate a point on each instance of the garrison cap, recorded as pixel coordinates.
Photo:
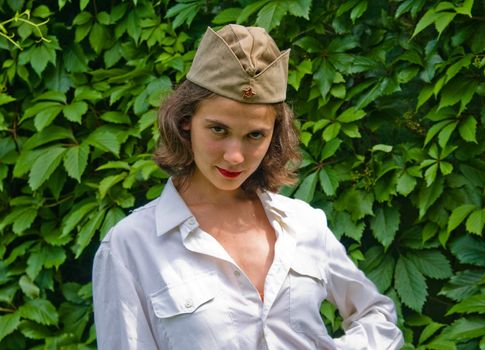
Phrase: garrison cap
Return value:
(241, 63)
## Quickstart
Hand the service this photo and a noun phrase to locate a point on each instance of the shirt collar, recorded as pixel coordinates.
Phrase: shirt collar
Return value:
(171, 210)
(272, 202)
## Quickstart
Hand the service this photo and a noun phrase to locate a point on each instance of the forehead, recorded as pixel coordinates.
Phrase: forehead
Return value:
(230, 111)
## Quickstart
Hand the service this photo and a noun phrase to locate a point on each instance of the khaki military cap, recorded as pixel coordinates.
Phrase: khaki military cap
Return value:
(241, 63)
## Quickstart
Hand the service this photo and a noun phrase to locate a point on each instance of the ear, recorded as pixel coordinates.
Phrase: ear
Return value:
(186, 124)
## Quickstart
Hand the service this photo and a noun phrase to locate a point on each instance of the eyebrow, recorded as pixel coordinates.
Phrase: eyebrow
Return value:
(219, 123)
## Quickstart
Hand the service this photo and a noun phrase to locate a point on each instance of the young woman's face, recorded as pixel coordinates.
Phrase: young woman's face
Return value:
(229, 140)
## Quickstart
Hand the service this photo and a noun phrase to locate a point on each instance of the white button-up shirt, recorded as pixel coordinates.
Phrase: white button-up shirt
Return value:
(160, 282)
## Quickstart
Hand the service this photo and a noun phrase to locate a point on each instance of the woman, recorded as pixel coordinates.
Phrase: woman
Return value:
(219, 261)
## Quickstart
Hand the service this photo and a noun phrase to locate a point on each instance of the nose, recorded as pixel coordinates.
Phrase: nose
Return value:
(233, 153)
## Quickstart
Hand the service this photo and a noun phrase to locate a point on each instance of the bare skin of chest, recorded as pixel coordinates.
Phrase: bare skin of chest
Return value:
(244, 231)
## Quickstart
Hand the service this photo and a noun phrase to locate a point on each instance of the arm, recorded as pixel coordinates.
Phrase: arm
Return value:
(369, 317)
(119, 309)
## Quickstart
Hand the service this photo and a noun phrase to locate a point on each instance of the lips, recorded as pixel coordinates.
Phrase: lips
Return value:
(229, 174)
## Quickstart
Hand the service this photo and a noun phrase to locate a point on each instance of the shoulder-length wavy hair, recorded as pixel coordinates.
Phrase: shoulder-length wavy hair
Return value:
(174, 152)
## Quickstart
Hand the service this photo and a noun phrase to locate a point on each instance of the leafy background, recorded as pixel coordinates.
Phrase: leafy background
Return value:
(390, 99)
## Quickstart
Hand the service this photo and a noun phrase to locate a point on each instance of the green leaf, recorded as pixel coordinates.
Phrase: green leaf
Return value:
(87, 232)
(105, 140)
(98, 37)
(475, 222)
(463, 284)
(45, 165)
(453, 70)
(331, 131)
(34, 330)
(324, 77)
(466, 329)
(442, 20)
(431, 263)
(446, 168)
(469, 250)
(52, 133)
(73, 218)
(428, 19)
(329, 181)
(45, 117)
(468, 129)
(424, 95)
(466, 8)
(385, 224)
(8, 324)
(34, 264)
(300, 8)
(7, 293)
(116, 117)
(429, 330)
(382, 148)
(406, 184)
(330, 148)
(358, 10)
(82, 18)
(428, 195)
(76, 161)
(109, 182)
(228, 15)
(40, 311)
(351, 115)
(351, 130)
(357, 203)
(306, 190)
(379, 267)
(112, 217)
(4, 98)
(410, 284)
(21, 219)
(474, 304)
(41, 55)
(458, 215)
(445, 134)
(269, 17)
(435, 129)
(28, 287)
(344, 225)
(75, 111)
(430, 174)
(250, 9)
(449, 97)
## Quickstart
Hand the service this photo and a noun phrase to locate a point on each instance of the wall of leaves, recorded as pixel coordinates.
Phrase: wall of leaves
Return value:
(390, 99)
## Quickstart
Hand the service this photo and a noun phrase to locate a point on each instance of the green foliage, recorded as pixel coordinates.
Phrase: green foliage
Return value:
(390, 97)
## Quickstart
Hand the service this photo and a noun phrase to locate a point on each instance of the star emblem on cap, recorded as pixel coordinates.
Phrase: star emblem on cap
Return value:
(248, 92)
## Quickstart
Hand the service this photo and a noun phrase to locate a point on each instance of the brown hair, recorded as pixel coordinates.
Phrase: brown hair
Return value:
(174, 152)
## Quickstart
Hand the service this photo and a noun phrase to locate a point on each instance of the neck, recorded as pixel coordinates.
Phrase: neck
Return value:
(195, 193)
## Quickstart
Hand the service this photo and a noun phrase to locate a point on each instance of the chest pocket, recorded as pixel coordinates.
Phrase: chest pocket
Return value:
(184, 298)
(307, 291)
(191, 313)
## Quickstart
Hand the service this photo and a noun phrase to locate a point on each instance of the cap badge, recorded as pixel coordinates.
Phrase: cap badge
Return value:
(248, 92)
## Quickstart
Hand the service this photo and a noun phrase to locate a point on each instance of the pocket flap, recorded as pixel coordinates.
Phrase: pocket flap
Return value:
(303, 265)
(185, 297)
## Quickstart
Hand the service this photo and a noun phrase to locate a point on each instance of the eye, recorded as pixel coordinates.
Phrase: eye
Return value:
(218, 130)
(256, 135)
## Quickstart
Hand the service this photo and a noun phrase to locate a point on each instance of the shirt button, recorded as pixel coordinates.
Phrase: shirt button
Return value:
(191, 222)
(189, 303)
(237, 273)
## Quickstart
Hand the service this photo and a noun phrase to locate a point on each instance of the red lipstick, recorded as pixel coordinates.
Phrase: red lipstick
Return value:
(229, 174)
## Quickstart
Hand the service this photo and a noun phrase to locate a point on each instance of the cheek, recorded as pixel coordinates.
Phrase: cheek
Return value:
(208, 147)
(261, 151)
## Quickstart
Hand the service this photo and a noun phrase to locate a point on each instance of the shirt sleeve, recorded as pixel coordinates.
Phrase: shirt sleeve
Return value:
(369, 317)
(120, 313)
